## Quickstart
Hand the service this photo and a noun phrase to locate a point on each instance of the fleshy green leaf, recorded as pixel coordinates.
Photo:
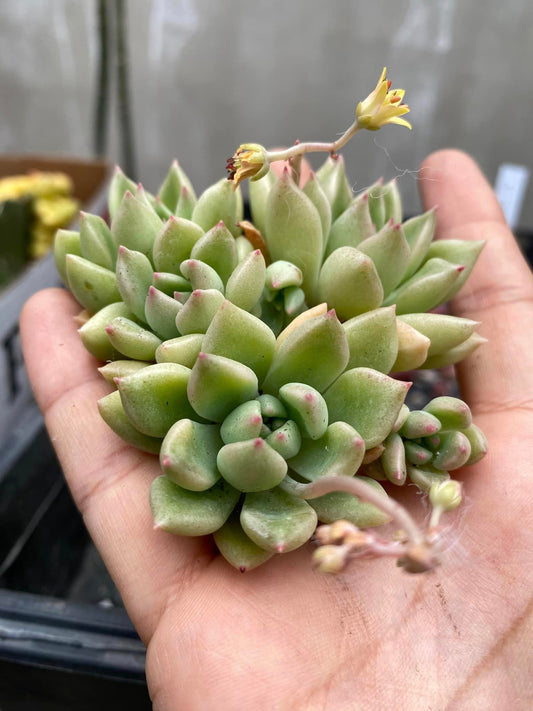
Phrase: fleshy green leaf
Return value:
(349, 283)
(332, 178)
(198, 311)
(318, 197)
(251, 465)
(135, 225)
(389, 251)
(286, 439)
(112, 412)
(200, 275)
(160, 313)
(174, 242)
(277, 521)
(246, 283)
(156, 397)
(217, 248)
(373, 339)
(134, 278)
(191, 513)
(338, 505)
(444, 331)
(236, 334)
(352, 227)
(427, 288)
(451, 412)
(306, 407)
(65, 242)
(239, 550)
(96, 242)
(93, 286)
(218, 203)
(171, 189)
(218, 385)
(339, 451)
(132, 340)
(93, 332)
(294, 231)
(183, 350)
(189, 454)
(242, 423)
(367, 400)
(314, 353)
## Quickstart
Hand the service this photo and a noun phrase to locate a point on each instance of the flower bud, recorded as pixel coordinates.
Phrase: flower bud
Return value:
(446, 495)
(330, 558)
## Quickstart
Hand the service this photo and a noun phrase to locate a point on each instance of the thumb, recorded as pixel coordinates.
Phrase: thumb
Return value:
(499, 293)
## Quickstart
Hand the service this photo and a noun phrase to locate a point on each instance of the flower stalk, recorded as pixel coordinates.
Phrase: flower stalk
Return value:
(382, 106)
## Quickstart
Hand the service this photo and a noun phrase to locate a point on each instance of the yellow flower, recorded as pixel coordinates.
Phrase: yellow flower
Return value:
(250, 161)
(382, 106)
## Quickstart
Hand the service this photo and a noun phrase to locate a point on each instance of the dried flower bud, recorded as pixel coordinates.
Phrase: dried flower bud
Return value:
(249, 161)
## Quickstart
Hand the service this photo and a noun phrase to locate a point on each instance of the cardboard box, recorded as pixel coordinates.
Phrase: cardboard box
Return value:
(19, 416)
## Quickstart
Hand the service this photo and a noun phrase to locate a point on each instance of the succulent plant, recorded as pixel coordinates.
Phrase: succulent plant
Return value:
(254, 357)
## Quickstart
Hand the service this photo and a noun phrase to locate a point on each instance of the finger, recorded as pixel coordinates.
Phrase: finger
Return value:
(499, 293)
(109, 479)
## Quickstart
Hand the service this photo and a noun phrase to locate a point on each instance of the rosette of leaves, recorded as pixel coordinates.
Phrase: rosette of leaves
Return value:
(231, 423)
(426, 445)
(357, 255)
(237, 401)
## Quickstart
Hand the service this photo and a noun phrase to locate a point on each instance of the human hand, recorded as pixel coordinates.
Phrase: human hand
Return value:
(283, 636)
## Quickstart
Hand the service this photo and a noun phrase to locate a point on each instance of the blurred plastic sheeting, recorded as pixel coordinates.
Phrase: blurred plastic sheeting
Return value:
(45, 62)
(208, 75)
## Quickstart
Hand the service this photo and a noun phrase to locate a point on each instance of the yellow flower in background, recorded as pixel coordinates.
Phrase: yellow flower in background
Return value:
(52, 204)
(384, 105)
(249, 161)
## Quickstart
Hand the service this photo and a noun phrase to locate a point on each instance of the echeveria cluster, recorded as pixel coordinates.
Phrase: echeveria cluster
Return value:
(254, 357)
(244, 360)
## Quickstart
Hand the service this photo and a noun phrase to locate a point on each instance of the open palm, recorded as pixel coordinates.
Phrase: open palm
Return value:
(283, 636)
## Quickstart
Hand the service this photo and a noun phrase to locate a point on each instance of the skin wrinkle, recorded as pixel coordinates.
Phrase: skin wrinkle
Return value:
(106, 477)
(493, 653)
